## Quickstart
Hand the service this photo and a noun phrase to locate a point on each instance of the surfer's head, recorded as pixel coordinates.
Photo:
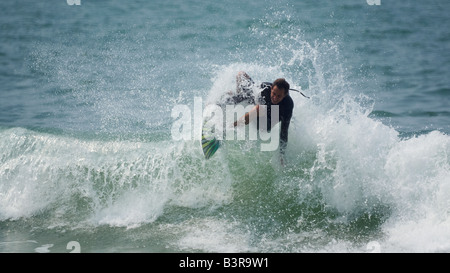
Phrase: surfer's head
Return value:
(280, 89)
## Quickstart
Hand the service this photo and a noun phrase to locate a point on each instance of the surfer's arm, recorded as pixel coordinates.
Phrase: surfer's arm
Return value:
(285, 121)
(283, 141)
(284, 135)
(245, 119)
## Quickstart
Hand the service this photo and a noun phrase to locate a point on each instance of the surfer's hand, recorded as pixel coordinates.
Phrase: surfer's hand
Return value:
(282, 161)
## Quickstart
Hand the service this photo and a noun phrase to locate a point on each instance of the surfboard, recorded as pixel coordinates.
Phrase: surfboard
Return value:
(210, 145)
(211, 132)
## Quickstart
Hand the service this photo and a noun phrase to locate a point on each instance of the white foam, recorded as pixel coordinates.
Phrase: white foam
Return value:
(361, 163)
(419, 173)
(117, 183)
(214, 235)
(43, 248)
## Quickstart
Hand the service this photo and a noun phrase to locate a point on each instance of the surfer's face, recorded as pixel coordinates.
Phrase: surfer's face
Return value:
(277, 95)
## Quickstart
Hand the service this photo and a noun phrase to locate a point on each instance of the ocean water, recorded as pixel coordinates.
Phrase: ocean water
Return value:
(88, 161)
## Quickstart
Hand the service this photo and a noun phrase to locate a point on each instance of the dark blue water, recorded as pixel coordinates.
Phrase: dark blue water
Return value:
(87, 153)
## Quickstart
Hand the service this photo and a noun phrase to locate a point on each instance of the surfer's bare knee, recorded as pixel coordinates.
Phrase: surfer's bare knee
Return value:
(243, 80)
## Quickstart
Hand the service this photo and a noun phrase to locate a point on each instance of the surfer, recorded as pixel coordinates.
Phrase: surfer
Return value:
(276, 93)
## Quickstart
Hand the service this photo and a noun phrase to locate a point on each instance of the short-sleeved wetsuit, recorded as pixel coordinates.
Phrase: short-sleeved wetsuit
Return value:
(285, 108)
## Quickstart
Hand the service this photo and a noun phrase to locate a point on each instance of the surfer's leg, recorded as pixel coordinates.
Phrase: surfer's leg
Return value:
(243, 82)
(244, 90)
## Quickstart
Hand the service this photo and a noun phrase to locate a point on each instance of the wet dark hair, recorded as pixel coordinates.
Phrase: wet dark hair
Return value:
(283, 84)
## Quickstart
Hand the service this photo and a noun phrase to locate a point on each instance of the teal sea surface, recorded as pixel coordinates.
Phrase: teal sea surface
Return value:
(88, 158)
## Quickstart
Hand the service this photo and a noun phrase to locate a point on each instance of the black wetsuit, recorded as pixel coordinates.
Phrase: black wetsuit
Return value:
(285, 109)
